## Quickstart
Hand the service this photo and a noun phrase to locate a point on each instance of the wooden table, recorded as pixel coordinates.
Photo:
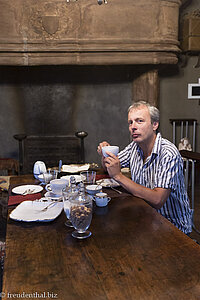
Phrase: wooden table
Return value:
(133, 253)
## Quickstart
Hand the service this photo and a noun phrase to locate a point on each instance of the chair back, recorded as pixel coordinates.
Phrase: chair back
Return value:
(50, 149)
(184, 128)
(9, 166)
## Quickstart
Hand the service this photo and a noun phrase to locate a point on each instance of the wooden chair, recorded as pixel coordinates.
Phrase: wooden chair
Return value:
(187, 128)
(193, 158)
(9, 166)
(50, 149)
(184, 128)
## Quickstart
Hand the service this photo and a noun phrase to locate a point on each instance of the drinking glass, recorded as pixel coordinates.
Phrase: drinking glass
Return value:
(46, 178)
(81, 217)
(49, 175)
(88, 177)
(54, 173)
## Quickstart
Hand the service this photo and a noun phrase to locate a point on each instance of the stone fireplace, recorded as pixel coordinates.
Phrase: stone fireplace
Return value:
(84, 59)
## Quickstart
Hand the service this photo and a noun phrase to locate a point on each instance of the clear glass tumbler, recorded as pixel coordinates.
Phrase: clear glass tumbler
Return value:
(88, 177)
(49, 175)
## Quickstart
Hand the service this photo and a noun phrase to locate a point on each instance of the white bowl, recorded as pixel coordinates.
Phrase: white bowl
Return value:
(112, 149)
(93, 189)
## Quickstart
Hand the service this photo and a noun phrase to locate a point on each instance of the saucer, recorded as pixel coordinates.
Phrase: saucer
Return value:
(52, 196)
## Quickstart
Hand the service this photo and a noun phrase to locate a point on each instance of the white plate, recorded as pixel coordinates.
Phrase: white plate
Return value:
(52, 196)
(75, 168)
(108, 182)
(31, 211)
(77, 177)
(23, 188)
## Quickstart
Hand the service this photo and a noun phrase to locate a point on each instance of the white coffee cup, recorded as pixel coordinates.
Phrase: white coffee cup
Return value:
(102, 199)
(112, 149)
(56, 186)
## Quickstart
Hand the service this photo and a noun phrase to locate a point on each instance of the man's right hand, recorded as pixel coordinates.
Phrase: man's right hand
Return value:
(99, 148)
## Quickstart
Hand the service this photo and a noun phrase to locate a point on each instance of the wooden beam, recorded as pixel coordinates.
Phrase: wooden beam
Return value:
(146, 87)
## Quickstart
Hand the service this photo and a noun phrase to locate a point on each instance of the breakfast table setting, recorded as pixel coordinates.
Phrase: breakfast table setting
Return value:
(74, 233)
(41, 199)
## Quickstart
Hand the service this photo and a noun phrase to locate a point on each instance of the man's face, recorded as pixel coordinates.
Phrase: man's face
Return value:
(140, 127)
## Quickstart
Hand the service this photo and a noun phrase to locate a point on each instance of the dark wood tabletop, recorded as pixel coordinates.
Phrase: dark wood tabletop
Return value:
(133, 253)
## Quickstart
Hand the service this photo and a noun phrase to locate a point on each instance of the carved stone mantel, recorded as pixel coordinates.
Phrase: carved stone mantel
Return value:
(82, 32)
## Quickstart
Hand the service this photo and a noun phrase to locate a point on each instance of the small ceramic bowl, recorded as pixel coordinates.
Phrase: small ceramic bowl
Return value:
(102, 199)
(93, 189)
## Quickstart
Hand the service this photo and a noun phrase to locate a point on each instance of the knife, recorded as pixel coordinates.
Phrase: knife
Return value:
(60, 166)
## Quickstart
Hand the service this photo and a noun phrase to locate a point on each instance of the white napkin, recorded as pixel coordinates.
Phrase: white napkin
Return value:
(75, 168)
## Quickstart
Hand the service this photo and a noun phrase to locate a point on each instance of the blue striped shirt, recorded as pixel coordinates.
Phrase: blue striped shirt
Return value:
(163, 169)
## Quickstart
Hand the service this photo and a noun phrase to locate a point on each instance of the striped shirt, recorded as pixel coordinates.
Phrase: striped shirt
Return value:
(163, 169)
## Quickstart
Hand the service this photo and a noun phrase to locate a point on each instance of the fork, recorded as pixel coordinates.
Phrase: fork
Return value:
(29, 191)
(46, 207)
(26, 192)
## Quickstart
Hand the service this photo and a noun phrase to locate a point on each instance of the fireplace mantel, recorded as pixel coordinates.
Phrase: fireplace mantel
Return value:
(82, 32)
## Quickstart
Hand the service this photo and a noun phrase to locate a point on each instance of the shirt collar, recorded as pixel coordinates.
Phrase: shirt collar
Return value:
(156, 147)
(157, 144)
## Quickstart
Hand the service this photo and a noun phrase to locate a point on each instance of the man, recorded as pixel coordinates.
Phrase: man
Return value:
(156, 167)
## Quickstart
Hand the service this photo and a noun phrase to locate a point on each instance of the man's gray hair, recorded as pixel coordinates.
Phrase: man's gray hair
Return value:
(153, 111)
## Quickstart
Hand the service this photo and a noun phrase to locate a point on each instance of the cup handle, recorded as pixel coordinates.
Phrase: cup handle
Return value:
(47, 187)
(109, 198)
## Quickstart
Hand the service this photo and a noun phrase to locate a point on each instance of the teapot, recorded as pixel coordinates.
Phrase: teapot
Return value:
(39, 168)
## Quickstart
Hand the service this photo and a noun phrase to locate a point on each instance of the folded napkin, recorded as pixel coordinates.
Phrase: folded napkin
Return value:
(4, 182)
(75, 168)
(20, 198)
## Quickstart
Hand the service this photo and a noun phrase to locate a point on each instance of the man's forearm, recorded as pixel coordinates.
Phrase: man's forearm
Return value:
(155, 197)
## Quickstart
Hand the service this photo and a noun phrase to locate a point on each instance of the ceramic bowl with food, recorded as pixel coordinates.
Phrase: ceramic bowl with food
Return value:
(93, 189)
